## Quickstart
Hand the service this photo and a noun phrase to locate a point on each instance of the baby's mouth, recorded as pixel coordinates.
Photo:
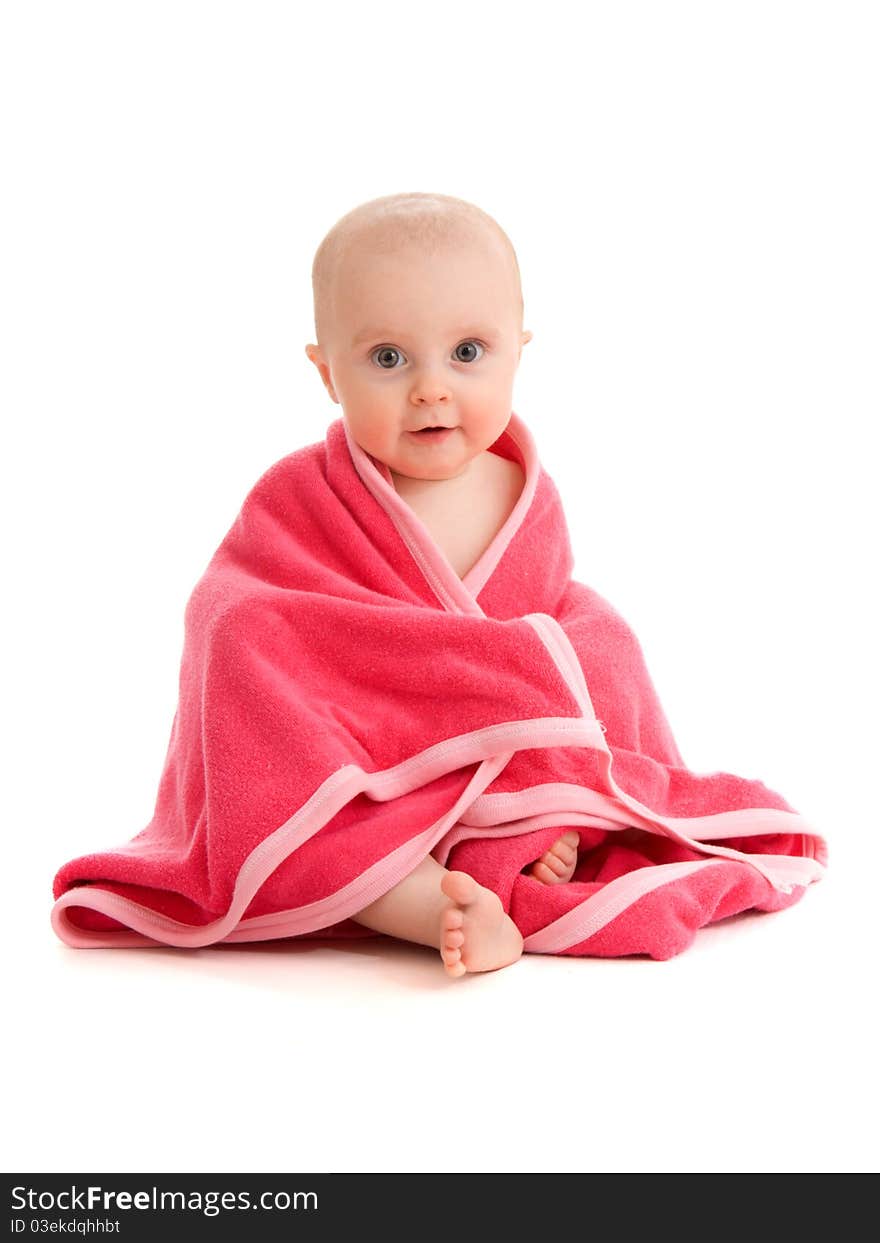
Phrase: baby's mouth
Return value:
(432, 433)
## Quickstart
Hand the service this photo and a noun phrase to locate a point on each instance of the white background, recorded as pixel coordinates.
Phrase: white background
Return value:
(692, 192)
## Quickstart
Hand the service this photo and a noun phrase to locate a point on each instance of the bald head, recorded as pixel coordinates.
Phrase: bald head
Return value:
(393, 223)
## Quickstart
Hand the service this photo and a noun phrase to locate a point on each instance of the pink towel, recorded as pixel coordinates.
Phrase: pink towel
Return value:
(348, 705)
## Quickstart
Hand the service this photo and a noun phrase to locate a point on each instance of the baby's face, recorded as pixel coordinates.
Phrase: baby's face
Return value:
(420, 340)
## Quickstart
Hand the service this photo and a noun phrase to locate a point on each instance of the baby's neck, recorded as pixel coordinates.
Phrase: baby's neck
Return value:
(472, 476)
(463, 515)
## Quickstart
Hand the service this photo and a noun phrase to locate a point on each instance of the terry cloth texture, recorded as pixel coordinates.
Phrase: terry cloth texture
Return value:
(348, 705)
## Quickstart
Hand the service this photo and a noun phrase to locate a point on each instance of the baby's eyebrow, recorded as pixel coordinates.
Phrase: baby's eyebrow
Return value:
(370, 335)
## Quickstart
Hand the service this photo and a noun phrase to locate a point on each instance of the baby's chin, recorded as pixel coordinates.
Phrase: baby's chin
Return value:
(427, 474)
(413, 462)
(457, 465)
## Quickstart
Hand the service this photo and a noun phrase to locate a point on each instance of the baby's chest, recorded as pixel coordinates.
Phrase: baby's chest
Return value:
(463, 533)
(462, 538)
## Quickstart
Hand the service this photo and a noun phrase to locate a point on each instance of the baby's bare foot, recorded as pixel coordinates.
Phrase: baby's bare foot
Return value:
(476, 934)
(557, 865)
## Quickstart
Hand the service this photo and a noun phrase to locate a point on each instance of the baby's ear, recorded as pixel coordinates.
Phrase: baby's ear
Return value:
(316, 356)
(526, 337)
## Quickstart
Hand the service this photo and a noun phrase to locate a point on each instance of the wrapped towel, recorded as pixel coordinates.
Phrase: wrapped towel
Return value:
(348, 704)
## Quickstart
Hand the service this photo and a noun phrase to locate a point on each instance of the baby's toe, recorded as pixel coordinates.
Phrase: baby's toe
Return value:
(556, 863)
(566, 847)
(459, 886)
(451, 920)
(541, 872)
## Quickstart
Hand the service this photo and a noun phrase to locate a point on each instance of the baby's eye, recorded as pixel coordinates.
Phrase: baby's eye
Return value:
(385, 356)
(389, 356)
(468, 345)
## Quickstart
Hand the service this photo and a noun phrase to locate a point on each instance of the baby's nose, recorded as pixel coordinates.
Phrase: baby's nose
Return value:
(429, 391)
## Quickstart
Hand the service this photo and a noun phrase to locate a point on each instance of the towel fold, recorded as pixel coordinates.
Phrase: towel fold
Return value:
(348, 705)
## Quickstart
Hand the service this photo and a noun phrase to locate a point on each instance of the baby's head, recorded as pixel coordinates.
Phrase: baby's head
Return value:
(418, 315)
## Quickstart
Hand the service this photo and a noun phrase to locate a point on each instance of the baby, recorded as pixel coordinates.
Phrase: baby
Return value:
(418, 315)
